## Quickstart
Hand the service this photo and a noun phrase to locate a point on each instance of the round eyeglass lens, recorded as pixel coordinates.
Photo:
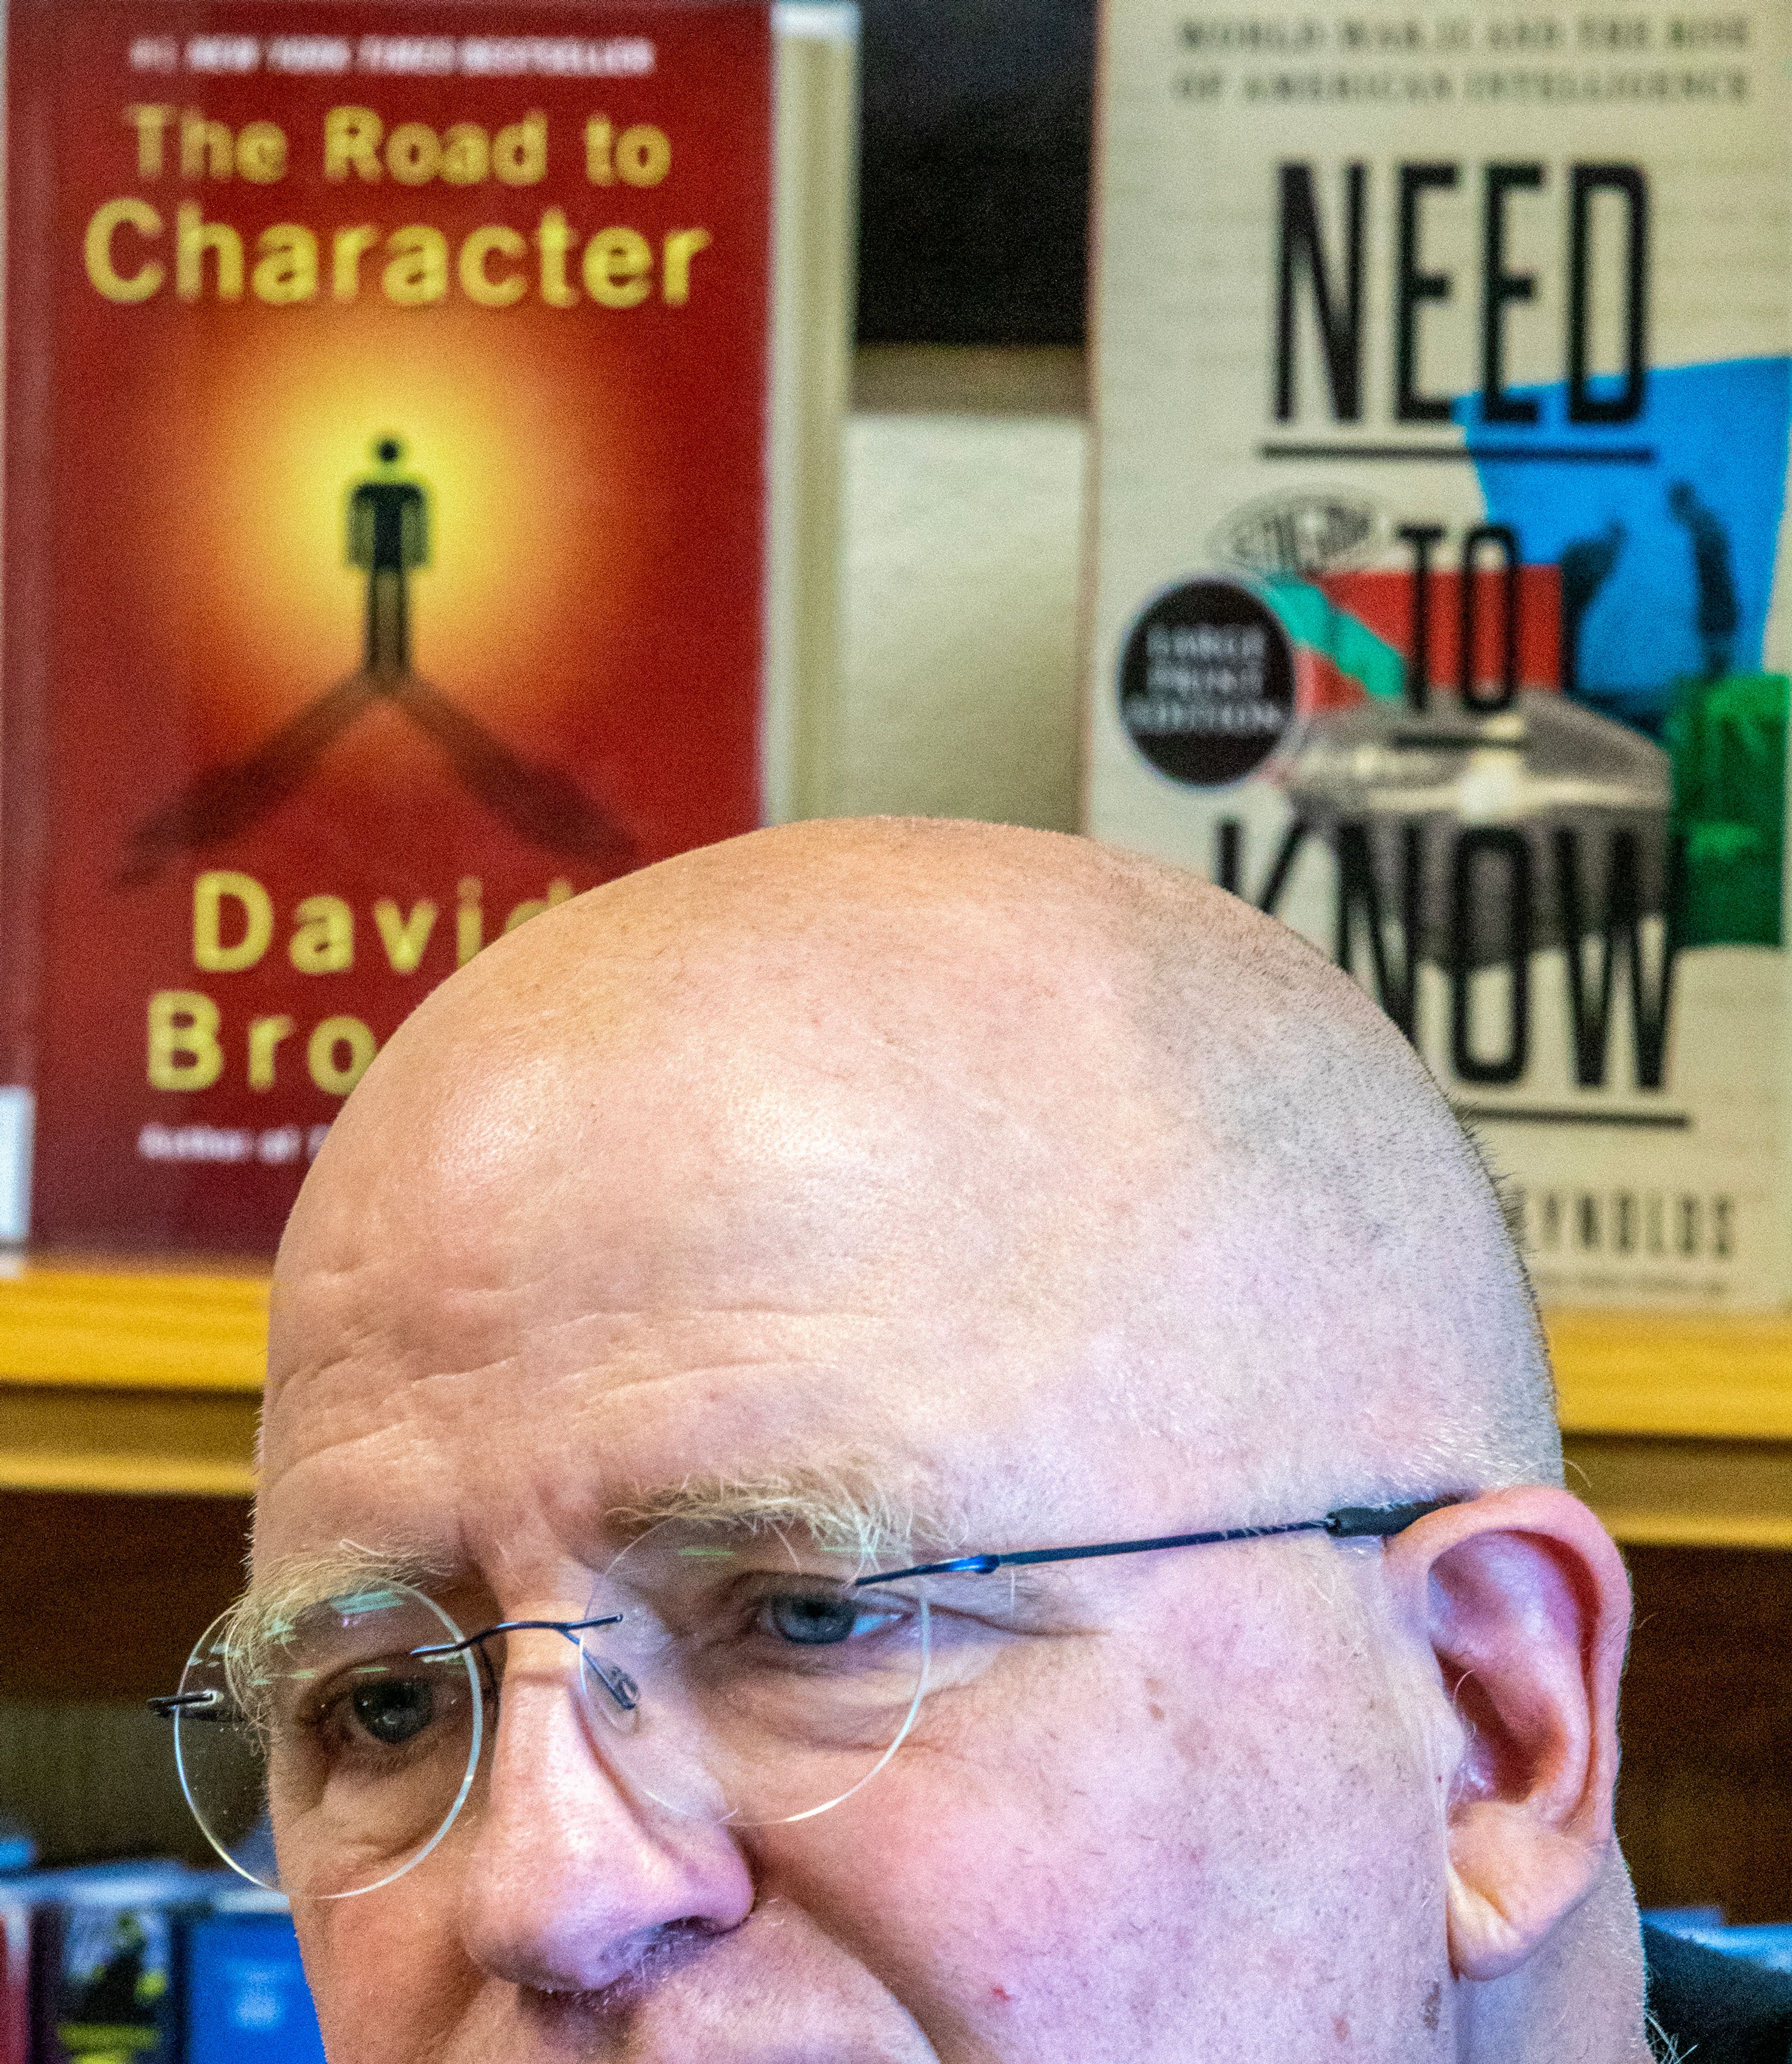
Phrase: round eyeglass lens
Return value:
(747, 1681)
(326, 1751)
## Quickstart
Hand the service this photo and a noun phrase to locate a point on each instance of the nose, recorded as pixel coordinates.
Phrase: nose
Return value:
(571, 1882)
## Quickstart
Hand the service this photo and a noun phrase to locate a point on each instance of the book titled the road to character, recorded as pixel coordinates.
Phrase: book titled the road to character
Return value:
(1440, 602)
(384, 541)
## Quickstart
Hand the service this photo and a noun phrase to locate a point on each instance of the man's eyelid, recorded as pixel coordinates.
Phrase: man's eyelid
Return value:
(1046, 1597)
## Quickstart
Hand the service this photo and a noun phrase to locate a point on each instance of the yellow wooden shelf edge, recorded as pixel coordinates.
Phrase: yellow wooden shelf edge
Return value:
(124, 1329)
(1679, 1374)
(1690, 1375)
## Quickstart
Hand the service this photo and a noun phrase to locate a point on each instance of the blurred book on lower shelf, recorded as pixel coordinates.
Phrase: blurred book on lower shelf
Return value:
(1767, 1943)
(153, 1962)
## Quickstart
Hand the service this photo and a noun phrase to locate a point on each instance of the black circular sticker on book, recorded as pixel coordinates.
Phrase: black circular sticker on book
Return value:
(1207, 682)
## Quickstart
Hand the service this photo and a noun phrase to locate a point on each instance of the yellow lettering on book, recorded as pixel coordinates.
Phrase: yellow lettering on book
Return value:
(265, 1034)
(194, 237)
(151, 124)
(643, 154)
(469, 922)
(554, 240)
(413, 154)
(116, 286)
(286, 271)
(347, 249)
(416, 272)
(322, 941)
(598, 169)
(184, 1049)
(334, 1070)
(682, 246)
(466, 154)
(261, 153)
(205, 147)
(477, 282)
(558, 891)
(352, 142)
(404, 938)
(520, 153)
(618, 266)
(211, 892)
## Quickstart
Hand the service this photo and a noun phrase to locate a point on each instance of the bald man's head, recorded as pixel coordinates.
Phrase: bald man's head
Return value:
(854, 1197)
(1124, 1090)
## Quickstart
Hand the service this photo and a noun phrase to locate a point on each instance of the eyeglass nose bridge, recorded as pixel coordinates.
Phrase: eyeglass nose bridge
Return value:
(622, 1688)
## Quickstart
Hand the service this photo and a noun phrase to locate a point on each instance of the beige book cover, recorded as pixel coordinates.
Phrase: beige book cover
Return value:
(1438, 601)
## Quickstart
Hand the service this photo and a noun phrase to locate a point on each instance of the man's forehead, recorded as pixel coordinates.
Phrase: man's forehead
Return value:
(724, 1157)
(748, 1049)
(542, 1397)
(719, 1293)
(654, 1189)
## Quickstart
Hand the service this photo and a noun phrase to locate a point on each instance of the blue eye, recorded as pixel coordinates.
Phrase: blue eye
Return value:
(393, 1712)
(815, 1622)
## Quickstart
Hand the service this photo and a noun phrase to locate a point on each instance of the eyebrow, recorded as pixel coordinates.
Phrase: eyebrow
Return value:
(841, 1510)
(297, 1582)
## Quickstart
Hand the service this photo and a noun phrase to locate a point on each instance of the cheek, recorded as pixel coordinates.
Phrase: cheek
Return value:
(1019, 1880)
(386, 1970)
(1226, 1863)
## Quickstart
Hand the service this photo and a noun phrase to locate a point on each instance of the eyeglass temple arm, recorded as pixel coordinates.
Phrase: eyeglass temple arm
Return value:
(1349, 1522)
(180, 1702)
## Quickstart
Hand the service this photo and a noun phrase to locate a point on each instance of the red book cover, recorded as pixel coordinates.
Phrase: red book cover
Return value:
(384, 543)
(15, 1981)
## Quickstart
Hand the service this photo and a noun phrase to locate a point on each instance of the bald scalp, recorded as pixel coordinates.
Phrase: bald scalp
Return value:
(1227, 1138)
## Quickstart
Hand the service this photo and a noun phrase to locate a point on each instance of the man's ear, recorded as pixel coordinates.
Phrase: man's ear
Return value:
(1526, 1604)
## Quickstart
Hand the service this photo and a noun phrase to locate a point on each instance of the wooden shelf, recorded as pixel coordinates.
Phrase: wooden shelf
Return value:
(137, 1332)
(140, 1382)
(1677, 1425)
(1674, 1374)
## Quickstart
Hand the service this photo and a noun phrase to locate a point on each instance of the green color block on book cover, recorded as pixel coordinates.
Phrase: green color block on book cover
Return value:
(1728, 740)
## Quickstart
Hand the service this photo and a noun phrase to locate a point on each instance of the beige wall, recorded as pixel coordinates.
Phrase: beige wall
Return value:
(963, 482)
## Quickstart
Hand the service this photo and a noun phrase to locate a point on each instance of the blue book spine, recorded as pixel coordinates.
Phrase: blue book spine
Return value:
(247, 1999)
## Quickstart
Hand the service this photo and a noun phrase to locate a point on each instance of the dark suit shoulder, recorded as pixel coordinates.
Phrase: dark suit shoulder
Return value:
(1717, 2008)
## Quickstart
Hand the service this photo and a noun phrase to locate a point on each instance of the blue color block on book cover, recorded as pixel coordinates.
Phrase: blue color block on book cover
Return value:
(247, 1999)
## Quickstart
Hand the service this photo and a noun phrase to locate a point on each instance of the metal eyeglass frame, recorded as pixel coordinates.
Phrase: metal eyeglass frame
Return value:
(1348, 1522)
(621, 1687)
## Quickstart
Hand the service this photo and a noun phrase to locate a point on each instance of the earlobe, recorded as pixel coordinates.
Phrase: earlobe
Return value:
(1527, 1607)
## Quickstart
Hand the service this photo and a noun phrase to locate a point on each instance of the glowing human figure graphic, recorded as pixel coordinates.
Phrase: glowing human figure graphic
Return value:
(388, 538)
(389, 534)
